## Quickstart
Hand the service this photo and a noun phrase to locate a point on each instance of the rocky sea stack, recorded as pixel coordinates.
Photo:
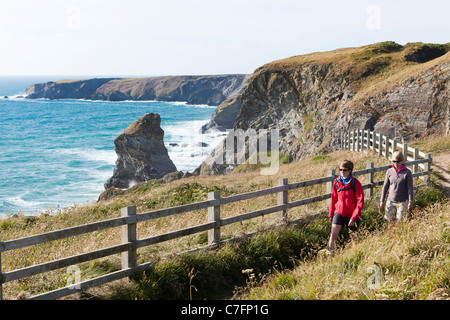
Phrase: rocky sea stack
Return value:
(141, 154)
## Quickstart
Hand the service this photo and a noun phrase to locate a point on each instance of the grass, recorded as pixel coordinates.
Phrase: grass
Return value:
(319, 157)
(411, 260)
(434, 144)
(215, 273)
(204, 274)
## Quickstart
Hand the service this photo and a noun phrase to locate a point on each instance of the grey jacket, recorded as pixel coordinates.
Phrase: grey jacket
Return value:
(398, 186)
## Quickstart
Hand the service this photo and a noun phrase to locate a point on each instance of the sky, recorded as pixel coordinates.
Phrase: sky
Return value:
(193, 37)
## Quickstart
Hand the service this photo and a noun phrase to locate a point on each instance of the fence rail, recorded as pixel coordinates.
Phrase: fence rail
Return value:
(355, 141)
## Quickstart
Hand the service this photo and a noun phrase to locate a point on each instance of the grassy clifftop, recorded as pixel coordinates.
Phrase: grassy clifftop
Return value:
(373, 64)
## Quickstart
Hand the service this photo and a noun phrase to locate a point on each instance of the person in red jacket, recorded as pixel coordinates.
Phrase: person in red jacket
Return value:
(347, 200)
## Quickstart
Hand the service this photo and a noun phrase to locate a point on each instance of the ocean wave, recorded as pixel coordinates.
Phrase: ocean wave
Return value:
(90, 154)
(73, 169)
(187, 146)
(14, 97)
(174, 103)
(19, 202)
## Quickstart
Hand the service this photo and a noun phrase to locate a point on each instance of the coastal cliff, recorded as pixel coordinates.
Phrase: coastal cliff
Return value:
(400, 91)
(211, 90)
(312, 100)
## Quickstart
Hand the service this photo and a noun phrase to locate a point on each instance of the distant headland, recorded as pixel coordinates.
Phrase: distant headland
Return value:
(210, 89)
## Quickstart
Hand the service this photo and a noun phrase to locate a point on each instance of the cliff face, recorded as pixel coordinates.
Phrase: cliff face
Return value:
(65, 89)
(211, 90)
(399, 91)
(225, 115)
(141, 154)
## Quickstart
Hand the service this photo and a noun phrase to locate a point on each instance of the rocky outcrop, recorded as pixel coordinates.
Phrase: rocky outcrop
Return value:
(210, 90)
(225, 115)
(313, 100)
(141, 154)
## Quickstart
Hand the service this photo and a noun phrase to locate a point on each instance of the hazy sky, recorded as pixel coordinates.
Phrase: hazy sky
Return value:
(179, 37)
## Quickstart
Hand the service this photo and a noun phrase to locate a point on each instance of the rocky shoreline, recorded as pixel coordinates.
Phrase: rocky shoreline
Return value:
(312, 100)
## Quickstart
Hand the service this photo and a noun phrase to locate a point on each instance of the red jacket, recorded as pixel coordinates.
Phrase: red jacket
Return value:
(347, 203)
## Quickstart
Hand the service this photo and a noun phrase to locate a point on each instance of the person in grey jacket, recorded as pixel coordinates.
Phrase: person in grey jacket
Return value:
(398, 187)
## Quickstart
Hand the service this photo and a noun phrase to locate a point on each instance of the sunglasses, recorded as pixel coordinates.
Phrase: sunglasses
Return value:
(343, 170)
(396, 161)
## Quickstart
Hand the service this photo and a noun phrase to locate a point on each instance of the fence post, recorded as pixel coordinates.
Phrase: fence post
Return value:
(361, 136)
(345, 141)
(128, 233)
(214, 216)
(386, 147)
(362, 139)
(372, 143)
(283, 199)
(348, 140)
(329, 185)
(416, 157)
(394, 146)
(352, 141)
(405, 151)
(358, 140)
(426, 168)
(369, 180)
(368, 139)
(380, 144)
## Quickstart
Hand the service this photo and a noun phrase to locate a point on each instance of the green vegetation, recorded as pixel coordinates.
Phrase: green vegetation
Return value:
(274, 264)
(271, 265)
(386, 47)
(320, 157)
(249, 164)
(216, 273)
(193, 192)
(411, 259)
(285, 158)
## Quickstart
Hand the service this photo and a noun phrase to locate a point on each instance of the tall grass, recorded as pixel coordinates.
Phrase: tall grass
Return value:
(199, 275)
(412, 259)
(216, 273)
(283, 263)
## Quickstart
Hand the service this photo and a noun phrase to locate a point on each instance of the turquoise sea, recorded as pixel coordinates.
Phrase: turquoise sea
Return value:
(56, 153)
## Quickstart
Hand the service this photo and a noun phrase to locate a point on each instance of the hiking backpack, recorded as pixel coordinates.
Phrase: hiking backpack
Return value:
(352, 185)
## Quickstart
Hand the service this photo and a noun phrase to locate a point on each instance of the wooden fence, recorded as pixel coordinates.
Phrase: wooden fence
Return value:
(356, 141)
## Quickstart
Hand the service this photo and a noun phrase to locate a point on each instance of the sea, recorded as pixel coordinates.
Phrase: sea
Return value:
(58, 153)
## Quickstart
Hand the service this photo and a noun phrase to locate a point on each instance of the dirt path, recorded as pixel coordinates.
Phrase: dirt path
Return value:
(441, 163)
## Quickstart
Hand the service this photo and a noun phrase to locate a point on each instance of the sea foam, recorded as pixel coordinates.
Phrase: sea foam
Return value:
(61, 152)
